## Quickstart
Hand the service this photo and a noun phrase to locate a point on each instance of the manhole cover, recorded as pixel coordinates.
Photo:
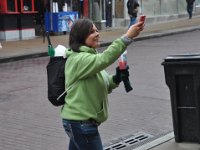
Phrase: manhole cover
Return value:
(129, 141)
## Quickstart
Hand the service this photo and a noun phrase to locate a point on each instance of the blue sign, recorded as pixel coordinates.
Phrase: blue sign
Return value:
(61, 21)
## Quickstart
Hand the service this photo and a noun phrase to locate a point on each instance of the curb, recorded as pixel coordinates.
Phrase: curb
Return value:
(168, 33)
(145, 37)
(22, 57)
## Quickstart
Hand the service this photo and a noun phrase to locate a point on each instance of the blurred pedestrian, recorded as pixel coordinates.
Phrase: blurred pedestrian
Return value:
(132, 6)
(108, 13)
(190, 5)
(86, 102)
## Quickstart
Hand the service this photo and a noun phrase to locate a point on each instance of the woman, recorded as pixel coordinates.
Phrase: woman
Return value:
(86, 103)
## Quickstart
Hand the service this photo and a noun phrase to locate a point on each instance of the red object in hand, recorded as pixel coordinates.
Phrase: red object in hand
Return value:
(122, 65)
(142, 18)
(122, 61)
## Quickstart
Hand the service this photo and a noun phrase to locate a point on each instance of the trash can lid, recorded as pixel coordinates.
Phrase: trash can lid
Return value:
(183, 57)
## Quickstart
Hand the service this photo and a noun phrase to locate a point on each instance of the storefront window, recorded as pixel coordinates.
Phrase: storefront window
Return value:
(198, 2)
(77, 5)
(11, 5)
(27, 5)
(69, 5)
(98, 10)
(181, 6)
(163, 7)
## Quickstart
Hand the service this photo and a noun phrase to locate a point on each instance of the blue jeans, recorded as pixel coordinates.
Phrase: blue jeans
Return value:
(83, 136)
(132, 21)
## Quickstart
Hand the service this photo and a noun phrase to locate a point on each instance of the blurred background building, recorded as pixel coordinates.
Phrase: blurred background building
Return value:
(32, 17)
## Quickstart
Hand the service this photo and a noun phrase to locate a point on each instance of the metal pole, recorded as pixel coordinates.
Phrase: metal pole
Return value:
(51, 15)
(113, 13)
(141, 7)
(71, 5)
(101, 9)
(177, 2)
(160, 7)
(90, 9)
(104, 10)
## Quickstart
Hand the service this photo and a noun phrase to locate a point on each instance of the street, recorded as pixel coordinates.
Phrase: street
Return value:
(30, 122)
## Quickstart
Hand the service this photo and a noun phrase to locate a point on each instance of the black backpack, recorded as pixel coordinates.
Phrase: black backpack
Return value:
(55, 77)
(56, 80)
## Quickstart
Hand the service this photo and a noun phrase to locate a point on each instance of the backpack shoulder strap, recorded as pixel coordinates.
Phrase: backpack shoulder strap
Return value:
(65, 92)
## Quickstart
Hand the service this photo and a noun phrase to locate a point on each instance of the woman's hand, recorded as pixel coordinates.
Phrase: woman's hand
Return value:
(135, 30)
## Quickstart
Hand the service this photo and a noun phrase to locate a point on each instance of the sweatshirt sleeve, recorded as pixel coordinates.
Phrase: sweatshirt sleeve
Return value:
(90, 64)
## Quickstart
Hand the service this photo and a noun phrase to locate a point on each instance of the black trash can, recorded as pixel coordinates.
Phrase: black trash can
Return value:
(182, 75)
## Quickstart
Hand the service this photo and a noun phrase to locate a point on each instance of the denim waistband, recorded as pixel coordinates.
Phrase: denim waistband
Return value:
(89, 121)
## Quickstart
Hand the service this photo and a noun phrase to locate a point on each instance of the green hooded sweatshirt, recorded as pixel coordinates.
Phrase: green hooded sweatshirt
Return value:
(88, 82)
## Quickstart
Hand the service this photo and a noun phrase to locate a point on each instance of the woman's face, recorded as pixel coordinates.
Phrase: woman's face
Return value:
(93, 38)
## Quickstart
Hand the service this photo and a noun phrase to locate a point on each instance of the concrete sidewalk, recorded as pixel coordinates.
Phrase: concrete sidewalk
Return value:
(167, 142)
(15, 50)
(12, 50)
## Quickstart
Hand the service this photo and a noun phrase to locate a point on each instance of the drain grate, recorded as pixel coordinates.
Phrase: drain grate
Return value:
(129, 141)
